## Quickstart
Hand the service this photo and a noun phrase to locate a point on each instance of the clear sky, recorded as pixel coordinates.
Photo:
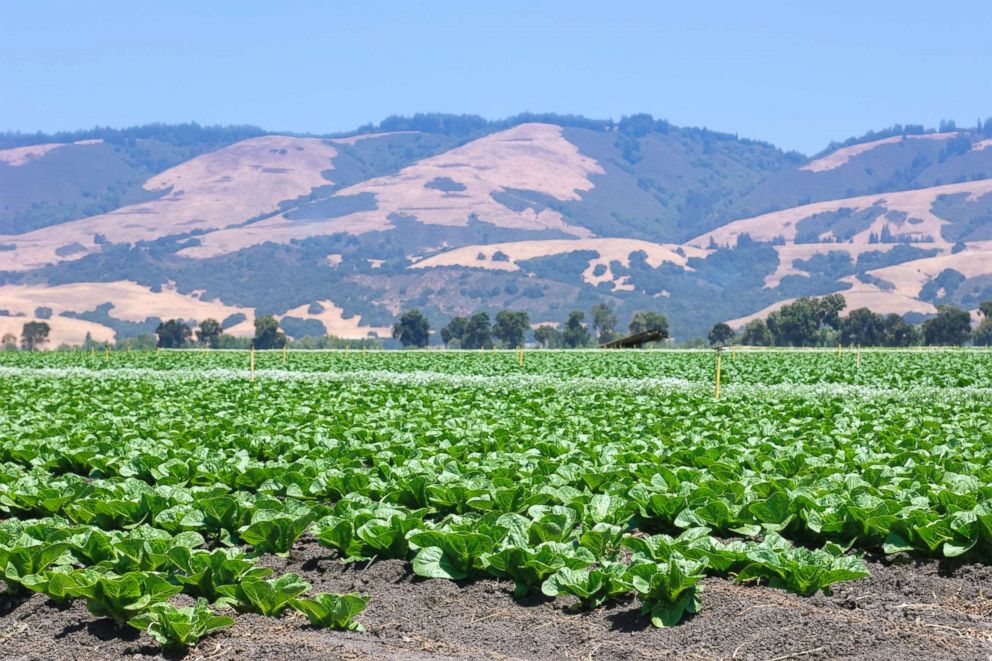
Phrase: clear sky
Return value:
(787, 72)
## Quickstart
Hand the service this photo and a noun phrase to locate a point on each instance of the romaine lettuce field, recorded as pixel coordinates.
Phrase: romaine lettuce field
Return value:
(584, 504)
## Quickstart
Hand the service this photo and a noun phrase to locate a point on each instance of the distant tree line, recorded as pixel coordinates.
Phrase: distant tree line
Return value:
(181, 135)
(816, 322)
(510, 329)
(805, 322)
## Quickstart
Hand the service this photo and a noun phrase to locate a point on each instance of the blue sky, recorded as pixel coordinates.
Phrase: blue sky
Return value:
(785, 72)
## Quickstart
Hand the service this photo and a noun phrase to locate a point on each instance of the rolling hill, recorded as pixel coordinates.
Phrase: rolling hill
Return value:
(107, 232)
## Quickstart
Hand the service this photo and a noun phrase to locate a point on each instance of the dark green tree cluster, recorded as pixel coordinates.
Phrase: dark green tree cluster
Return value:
(176, 333)
(817, 322)
(983, 334)
(173, 334)
(509, 329)
(209, 332)
(870, 329)
(722, 335)
(478, 332)
(604, 322)
(576, 333)
(756, 334)
(267, 333)
(803, 322)
(951, 327)
(412, 329)
(34, 335)
(646, 321)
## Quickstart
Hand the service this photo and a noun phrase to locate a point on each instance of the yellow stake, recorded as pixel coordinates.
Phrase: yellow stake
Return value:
(838, 348)
(520, 356)
(716, 395)
(859, 357)
(251, 364)
(106, 352)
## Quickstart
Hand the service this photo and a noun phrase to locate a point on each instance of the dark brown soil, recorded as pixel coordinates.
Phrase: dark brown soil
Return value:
(908, 610)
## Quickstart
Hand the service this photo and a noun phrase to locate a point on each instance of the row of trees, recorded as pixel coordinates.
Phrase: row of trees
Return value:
(510, 328)
(817, 322)
(804, 322)
(176, 333)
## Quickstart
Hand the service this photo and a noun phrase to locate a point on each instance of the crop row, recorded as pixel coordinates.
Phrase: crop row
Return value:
(125, 491)
(877, 368)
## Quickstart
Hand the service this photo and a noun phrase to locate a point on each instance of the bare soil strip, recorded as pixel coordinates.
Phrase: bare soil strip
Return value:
(905, 610)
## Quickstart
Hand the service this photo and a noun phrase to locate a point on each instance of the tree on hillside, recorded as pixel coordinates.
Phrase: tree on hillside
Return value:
(721, 335)
(951, 327)
(267, 333)
(173, 334)
(756, 334)
(985, 309)
(9, 342)
(604, 322)
(548, 337)
(454, 331)
(645, 321)
(511, 328)
(478, 332)
(576, 333)
(34, 335)
(208, 334)
(412, 329)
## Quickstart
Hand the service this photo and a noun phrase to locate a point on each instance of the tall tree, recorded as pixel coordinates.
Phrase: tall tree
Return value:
(983, 334)
(412, 329)
(478, 332)
(721, 335)
(511, 328)
(9, 342)
(548, 337)
(951, 327)
(828, 309)
(576, 333)
(756, 334)
(645, 321)
(897, 332)
(862, 327)
(799, 323)
(604, 321)
(34, 335)
(173, 334)
(267, 333)
(208, 334)
(454, 331)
